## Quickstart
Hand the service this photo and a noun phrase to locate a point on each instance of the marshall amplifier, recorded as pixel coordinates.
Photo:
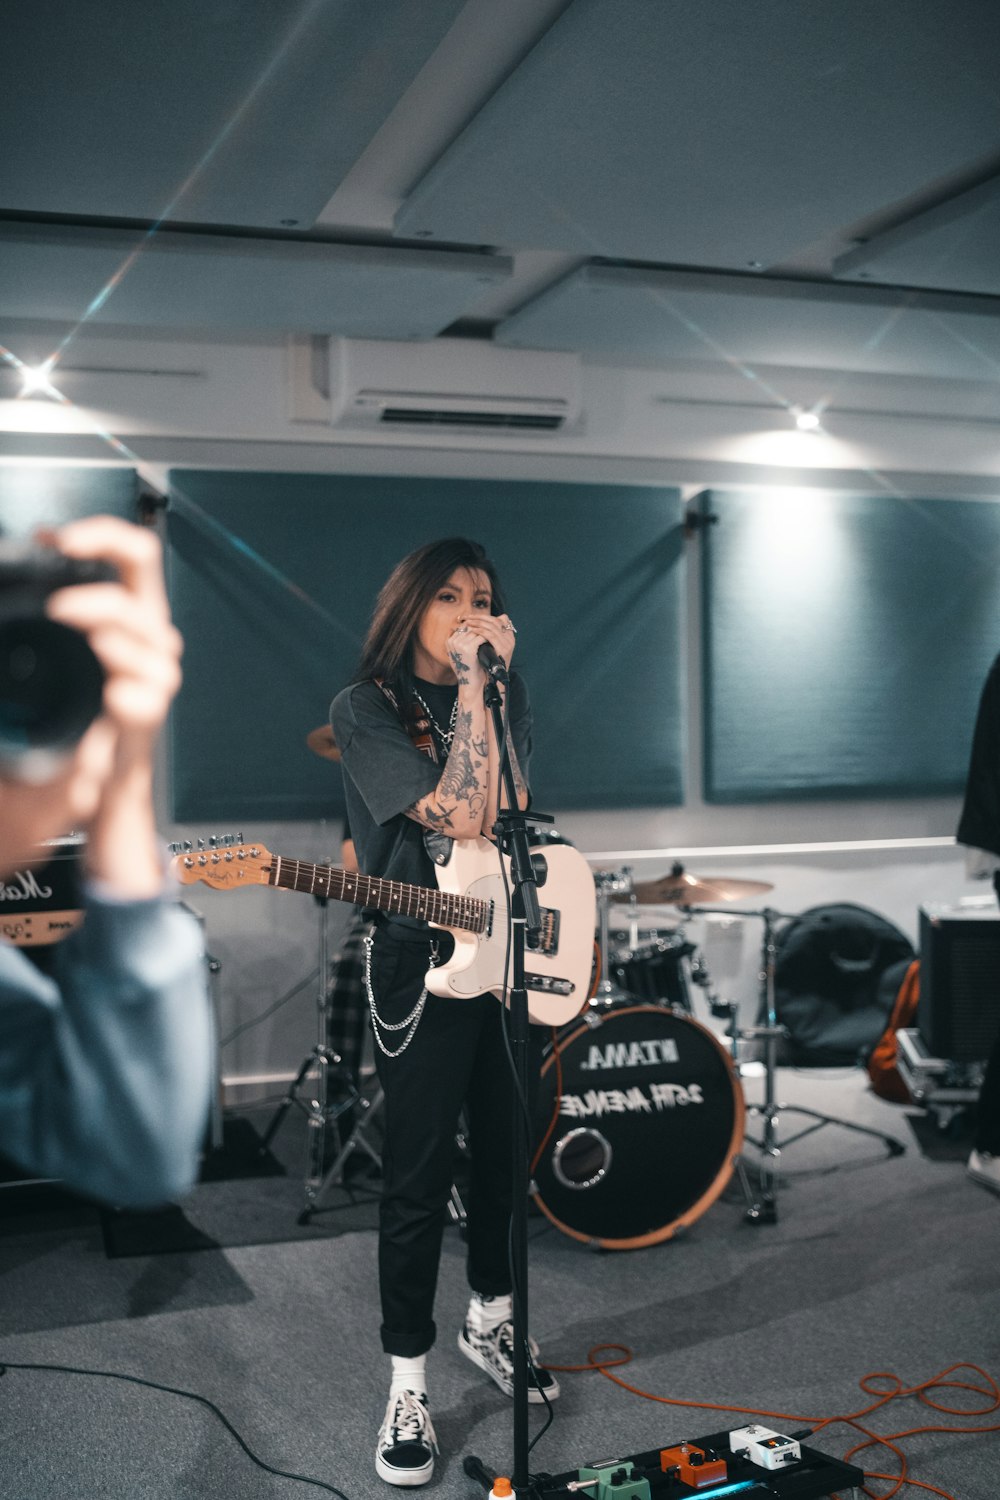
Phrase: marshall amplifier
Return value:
(958, 1014)
(40, 901)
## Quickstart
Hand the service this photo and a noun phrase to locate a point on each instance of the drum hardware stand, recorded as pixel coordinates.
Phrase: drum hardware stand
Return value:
(609, 883)
(762, 1206)
(319, 1111)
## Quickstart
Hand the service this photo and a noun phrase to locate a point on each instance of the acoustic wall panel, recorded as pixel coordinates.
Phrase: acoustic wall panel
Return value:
(846, 640)
(273, 579)
(32, 496)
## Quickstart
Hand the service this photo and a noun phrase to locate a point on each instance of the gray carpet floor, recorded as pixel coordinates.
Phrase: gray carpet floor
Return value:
(874, 1264)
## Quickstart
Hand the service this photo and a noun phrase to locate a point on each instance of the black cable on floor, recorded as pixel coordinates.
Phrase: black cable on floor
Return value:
(173, 1390)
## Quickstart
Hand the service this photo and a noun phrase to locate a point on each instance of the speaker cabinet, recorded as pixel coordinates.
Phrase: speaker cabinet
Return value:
(958, 1014)
(40, 902)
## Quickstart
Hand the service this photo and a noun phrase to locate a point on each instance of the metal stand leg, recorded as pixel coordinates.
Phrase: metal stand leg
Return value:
(320, 1112)
(357, 1140)
(762, 1207)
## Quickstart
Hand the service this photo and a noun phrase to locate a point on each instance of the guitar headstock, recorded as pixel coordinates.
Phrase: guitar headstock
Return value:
(225, 867)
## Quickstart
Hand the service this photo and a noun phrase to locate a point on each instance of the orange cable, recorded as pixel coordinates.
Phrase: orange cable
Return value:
(897, 1391)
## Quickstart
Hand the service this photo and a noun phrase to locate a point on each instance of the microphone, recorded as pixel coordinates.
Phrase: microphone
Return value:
(493, 665)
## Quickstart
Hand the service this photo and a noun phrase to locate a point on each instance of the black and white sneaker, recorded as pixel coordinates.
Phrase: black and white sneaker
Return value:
(494, 1353)
(984, 1168)
(404, 1454)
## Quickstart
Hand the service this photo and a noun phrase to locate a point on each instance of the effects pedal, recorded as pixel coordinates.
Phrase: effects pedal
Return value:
(763, 1446)
(693, 1466)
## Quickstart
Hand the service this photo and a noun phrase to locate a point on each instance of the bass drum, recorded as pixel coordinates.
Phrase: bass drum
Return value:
(650, 1122)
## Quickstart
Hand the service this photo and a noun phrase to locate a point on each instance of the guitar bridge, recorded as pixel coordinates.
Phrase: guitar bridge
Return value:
(547, 984)
(546, 939)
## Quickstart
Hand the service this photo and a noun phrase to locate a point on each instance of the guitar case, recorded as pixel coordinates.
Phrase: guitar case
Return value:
(837, 973)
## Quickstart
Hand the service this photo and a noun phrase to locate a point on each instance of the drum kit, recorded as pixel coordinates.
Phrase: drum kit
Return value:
(641, 1105)
(644, 1102)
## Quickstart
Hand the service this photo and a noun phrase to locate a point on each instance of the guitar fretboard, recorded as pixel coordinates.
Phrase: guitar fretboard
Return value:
(383, 895)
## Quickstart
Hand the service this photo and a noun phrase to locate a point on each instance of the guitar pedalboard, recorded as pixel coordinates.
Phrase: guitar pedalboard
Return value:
(752, 1461)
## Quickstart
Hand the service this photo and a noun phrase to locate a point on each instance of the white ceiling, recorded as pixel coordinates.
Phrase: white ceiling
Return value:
(715, 191)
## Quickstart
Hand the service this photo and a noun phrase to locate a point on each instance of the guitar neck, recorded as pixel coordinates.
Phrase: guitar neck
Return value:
(391, 896)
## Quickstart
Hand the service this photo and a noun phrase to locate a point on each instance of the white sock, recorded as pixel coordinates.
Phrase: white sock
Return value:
(408, 1375)
(487, 1313)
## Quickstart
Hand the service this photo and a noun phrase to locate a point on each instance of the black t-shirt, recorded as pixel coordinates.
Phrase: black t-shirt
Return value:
(385, 773)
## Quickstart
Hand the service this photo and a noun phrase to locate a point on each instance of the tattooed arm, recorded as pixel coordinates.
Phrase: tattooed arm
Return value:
(456, 805)
(464, 802)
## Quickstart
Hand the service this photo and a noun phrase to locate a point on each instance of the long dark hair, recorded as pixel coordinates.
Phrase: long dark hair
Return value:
(388, 649)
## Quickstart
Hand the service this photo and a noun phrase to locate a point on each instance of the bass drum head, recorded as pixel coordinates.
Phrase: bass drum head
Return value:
(650, 1121)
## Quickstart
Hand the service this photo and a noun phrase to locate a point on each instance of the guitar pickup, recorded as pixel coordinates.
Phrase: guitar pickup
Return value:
(547, 984)
(546, 939)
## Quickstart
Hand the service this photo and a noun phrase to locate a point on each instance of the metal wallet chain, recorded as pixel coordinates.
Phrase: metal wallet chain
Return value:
(412, 1020)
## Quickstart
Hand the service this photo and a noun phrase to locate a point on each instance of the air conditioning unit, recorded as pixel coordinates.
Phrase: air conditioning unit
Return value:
(453, 385)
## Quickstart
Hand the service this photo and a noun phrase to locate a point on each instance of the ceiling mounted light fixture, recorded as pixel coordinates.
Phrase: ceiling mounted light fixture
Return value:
(35, 380)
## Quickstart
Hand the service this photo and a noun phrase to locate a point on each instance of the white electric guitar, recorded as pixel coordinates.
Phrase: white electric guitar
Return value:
(470, 903)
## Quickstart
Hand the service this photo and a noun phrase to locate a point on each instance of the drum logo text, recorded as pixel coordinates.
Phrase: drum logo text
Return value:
(630, 1101)
(631, 1054)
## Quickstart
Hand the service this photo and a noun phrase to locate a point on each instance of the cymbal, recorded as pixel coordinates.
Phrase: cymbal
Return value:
(688, 890)
(652, 919)
(321, 742)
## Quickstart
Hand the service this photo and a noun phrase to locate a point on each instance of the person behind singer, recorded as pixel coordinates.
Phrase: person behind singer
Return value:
(106, 1063)
(979, 831)
(435, 1056)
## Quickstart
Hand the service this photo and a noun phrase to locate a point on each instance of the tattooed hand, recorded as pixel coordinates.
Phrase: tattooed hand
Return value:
(465, 642)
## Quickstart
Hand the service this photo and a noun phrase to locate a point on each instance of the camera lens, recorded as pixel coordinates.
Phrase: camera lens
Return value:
(50, 693)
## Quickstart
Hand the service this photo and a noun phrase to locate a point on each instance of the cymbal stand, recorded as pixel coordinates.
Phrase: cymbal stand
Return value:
(609, 883)
(321, 1112)
(762, 1205)
(764, 1209)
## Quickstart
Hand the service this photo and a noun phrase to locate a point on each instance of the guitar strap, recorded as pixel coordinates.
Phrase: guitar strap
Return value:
(418, 727)
(415, 721)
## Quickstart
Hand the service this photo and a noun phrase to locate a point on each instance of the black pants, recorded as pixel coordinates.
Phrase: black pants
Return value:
(456, 1059)
(988, 1122)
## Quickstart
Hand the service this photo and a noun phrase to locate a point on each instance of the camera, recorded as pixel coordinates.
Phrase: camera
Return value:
(50, 680)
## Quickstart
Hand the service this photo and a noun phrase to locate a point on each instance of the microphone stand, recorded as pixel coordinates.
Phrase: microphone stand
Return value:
(511, 829)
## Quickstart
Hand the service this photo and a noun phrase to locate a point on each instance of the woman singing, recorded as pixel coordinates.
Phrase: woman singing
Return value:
(420, 678)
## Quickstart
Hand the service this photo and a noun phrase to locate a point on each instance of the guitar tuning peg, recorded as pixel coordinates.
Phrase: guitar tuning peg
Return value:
(213, 843)
(201, 843)
(239, 837)
(186, 846)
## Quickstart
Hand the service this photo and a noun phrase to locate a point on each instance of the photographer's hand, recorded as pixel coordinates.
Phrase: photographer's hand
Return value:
(127, 625)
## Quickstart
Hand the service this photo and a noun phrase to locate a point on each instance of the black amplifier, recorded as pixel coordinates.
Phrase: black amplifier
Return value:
(958, 1013)
(40, 901)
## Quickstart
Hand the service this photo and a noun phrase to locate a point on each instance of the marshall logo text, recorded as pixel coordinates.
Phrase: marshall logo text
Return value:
(24, 887)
